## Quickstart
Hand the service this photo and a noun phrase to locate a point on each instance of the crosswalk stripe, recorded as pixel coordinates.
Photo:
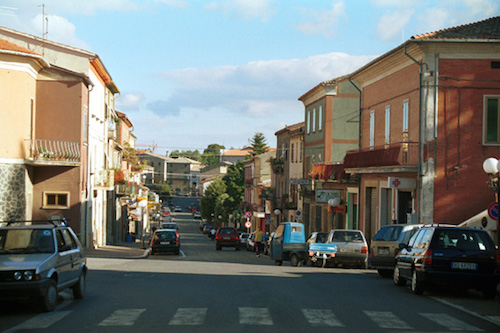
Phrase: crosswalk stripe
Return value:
(122, 317)
(255, 316)
(40, 321)
(387, 319)
(189, 316)
(320, 317)
(449, 322)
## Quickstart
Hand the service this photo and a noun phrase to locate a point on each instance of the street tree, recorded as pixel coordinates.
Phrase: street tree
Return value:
(211, 155)
(259, 144)
(211, 204)
(235, 189)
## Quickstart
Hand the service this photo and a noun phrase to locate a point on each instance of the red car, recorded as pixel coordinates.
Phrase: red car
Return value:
(227, 237)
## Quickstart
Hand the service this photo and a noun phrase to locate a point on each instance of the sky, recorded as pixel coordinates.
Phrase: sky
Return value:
(193, 73)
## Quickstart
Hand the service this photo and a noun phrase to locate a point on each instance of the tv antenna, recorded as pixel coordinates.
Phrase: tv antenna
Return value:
(45, 23)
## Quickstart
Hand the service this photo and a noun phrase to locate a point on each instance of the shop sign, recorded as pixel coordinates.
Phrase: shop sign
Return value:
(322, 196)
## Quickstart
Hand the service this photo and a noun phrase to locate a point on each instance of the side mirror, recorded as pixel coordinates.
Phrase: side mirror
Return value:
(402, 246)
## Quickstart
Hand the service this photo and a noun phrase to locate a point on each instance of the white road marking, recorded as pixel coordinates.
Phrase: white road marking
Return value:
(492, 319)
(449, 322)
(189, 316)
(44, 320)
(122, 317)
(387, 319)
(319, 317)
(255, 316)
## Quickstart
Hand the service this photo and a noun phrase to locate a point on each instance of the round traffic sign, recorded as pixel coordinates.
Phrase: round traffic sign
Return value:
(248, 215)
(248, 224)
(493, 210)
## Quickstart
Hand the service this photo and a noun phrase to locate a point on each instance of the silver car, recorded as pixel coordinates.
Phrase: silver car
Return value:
(38, 260)
(352, 248)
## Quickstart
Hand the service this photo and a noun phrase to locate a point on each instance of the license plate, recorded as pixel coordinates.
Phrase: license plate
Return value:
(226, 238)
(464, 265)
(344, 250)
(164, 243)
(383, 251)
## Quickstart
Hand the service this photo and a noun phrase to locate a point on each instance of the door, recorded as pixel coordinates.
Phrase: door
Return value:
(277, 244)
(405, 206)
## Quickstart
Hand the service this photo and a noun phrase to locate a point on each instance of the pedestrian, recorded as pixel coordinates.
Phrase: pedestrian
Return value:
(258, 241)
(212, 233)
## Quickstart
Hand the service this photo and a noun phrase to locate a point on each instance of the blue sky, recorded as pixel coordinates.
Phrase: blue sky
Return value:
(192, 73)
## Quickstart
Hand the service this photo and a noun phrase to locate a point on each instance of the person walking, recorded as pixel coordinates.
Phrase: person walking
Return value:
(258, 241)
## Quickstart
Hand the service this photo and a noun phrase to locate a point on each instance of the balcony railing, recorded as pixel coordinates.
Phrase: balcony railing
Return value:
(396, 154)
(53, 150)
(104, 179)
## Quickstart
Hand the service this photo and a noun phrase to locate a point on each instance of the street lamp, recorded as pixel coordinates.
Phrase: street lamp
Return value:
(277, 212)
(492, 167)
(334, 202)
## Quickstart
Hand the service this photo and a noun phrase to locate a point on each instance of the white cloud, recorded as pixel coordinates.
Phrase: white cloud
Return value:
(391, 26)
(256, 89)
(322, 22)
(130, 101)
(248, 10)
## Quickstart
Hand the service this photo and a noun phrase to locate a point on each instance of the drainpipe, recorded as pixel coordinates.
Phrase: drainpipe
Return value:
(359, 142)
(419, 163)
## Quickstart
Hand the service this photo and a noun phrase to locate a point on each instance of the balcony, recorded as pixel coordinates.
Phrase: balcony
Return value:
(54, 152)
(104, 180)
(402, 156)
(332, 172)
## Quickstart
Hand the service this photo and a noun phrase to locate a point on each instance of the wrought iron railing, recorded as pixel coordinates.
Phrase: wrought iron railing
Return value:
(54, 150)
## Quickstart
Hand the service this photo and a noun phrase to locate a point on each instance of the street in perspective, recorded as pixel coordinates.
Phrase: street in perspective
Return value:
(203, 289)
(249, 166)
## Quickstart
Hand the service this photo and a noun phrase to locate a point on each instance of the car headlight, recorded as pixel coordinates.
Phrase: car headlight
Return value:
(23, 275)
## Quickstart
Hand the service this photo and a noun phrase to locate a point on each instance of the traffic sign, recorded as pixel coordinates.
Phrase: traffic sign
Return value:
(493, 210)
(248, 224)
(248, 215)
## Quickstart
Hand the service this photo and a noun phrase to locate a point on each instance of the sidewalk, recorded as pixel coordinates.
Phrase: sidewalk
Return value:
(122, 250)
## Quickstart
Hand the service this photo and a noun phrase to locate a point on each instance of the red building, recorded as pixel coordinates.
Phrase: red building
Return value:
(430, 116)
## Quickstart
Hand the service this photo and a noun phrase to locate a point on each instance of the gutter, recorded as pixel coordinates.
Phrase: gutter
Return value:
(419, 175)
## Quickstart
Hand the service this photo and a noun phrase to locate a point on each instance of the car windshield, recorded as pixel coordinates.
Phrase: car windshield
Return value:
(390, 233)
(227, 232)
(463, 240)
(347, 236)
(24, 241)
(165, 236)
(169, 225)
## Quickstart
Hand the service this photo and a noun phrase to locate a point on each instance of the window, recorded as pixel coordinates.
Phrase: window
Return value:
(387, 124)
(492, 120)
(314, 120)
(55, 200)
(292, 152)
(405, 115)
(308, 122)
(319, 157)
(320, 118)
(372, 128)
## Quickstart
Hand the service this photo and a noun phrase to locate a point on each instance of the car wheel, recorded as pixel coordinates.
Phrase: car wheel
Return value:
(237, 248)
(80, 287)
(398, 280)
(294, 259)
(489, 291)
(278, 262)
(416, 285)
(49, 300)
(385, 273)
(218, 248)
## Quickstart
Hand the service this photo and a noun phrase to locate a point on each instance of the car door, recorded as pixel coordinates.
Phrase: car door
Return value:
(404, 258)
(75, 253)
(277, 244)
(64, 260)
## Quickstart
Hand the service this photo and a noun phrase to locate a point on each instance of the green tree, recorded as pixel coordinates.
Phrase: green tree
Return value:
(164, 190)
(211, 155)
(192, 154)
(259, 144)
(235, 189)
(213, 199)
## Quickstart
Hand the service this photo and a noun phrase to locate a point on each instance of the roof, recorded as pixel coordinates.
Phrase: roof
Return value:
(328, 83)
(290, 128)
(482, 30)
(8, 46)
(237, 152)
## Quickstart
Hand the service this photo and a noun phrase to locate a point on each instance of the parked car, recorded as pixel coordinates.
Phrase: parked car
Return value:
(178, 209)
(352, 248)
(206, 228)
(289, 243)
(197, 214)
(227, 237)
(319, 250)
(169, 225)
(38, 260)
(165, 240)
(244, 238)
(385, 246)
(449, 256)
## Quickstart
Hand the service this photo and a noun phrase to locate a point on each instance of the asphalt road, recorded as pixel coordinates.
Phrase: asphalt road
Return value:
(204, 290)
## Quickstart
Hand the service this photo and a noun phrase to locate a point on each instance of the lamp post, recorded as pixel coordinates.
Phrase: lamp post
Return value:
(334, 202)
(492, 167)
(277, 212)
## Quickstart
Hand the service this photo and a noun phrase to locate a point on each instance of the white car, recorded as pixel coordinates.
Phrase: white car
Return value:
(197, 215)
(244, 238)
